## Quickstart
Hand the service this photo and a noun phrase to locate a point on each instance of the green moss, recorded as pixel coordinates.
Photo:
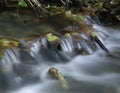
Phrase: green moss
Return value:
(51, 37)
(93, 34)
(7, 44)
(67, 34)
(22, 3)
(56, 74)
(77, 17)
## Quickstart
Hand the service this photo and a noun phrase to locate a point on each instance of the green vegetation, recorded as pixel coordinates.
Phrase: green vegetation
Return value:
(72, 10)
(22, 3)
(52, 37)
(101, 8)
(7, 43)
(93, 34)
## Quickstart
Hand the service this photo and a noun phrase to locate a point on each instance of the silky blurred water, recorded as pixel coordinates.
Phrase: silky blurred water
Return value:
(98, 72)
(95, 73)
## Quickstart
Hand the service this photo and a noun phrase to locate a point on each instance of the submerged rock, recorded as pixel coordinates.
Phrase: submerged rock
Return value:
(56, 74)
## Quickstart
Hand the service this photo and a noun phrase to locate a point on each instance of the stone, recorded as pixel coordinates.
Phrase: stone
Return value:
(56, 74)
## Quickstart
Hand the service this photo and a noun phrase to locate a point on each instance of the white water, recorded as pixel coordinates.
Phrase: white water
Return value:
(93, 73)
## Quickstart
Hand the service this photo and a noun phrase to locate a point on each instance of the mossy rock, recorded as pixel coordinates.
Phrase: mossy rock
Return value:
(7, 43)
(56, 74)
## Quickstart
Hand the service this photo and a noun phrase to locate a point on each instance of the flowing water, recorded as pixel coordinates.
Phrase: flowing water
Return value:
(98, 72)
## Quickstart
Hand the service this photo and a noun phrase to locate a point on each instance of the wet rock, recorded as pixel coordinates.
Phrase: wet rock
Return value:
(49, 55)
(75, 44)
(54, 30)
(7, 43)
(56, 74)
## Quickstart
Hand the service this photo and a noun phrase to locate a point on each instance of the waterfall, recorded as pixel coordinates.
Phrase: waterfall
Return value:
(85, 66)
(8, 64)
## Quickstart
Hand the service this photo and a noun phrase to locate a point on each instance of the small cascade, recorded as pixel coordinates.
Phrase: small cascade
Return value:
(67, 45)
(101, 31)
(35, 48)
(81, 45)
(94, 20)
(8, 64)
(16, 69)
(41, 50)
(24, 68)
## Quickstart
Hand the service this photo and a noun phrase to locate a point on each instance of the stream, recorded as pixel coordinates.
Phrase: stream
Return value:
(98, 72)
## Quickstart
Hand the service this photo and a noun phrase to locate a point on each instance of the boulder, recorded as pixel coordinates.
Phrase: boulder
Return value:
(54, 73)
